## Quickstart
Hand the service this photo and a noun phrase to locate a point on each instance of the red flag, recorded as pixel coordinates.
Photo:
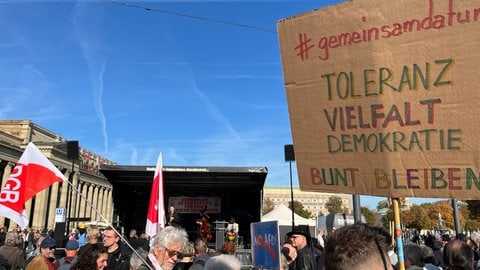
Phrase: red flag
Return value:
(32, 174)
(156, 208)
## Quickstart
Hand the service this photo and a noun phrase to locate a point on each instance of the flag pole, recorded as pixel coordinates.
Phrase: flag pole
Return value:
(160, 198)
(109, 224)
(398, 233)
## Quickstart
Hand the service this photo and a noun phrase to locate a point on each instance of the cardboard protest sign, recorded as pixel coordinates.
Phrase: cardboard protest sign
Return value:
(384, 97)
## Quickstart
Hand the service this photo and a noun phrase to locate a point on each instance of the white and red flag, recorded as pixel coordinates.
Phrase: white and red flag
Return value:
(32, 174)
(156, 207)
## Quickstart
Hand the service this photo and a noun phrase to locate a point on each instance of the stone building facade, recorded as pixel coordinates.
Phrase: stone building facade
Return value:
(87, 183)
(313, 202)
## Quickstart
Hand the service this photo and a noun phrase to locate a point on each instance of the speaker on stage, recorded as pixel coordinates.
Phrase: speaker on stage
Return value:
(289, 153)
(72, 150)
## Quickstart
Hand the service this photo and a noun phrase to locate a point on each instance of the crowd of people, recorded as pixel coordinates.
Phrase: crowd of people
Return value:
(358, 246)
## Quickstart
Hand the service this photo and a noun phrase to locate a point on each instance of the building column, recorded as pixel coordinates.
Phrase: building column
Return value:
(52, 205)
(88, 207)
(93, 213)
(5, 175)
(101, 202)
(64, 191)
(83, 203)
(109, 204)
(40, 211)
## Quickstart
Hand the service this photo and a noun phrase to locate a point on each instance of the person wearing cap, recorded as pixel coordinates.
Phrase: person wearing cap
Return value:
(14, 255)
(46, 259)
(71, 251)
(300, 240)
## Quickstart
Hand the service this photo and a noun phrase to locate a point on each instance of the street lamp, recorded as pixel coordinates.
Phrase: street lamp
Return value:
(290, 157)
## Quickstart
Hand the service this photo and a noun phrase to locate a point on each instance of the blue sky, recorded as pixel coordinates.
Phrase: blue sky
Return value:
(199, 81)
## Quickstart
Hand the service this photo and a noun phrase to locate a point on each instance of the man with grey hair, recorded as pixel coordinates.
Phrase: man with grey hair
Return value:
(137, 260)
(223, 262)
(11, 251)
(166, 249)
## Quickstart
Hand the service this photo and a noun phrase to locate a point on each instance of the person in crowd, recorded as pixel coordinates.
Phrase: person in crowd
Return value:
(46, 259)
(457, 255)
(290, 254)
(300, 238)
(133, 239)
(144, 240)
(3, 235)
(412, 254)
(82, 234)
(223, 262)
(320, 237)
(70, 258)
(10, 251)
(201, 254)
(475, 245)
(173, 217)
(93, 237)
(138, 258)
(229, 246)
(93, 257)
(29, 239)
(166, 249)
(427, 257)
(283, 262)
(437, 247)
(36, 251)
(118, 253)
(357, 246)
(186, 260)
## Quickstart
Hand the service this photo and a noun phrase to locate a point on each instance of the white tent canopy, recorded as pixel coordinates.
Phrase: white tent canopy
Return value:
(283, 215)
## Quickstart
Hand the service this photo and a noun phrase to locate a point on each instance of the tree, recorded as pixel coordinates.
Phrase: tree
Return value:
(334, 205)
(299, 210)
(268, 205)
(370, 216)
(474, 208)
(416, 218)
(382, 204)
(444, 210)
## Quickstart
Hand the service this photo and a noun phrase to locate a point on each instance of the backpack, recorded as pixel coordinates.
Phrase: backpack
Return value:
(66, 264)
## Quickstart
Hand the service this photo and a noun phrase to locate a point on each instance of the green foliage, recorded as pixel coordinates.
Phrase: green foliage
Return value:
(299, 210)
(334, 205)
(370, 216)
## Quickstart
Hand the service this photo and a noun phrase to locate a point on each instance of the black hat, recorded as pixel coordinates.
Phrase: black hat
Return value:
(302, 230)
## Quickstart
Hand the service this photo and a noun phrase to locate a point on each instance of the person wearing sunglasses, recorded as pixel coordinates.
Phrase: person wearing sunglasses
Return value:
(46, 259)
(167, 249)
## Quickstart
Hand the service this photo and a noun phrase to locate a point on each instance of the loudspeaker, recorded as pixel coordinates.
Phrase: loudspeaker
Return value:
(72, 150)
(289, 154)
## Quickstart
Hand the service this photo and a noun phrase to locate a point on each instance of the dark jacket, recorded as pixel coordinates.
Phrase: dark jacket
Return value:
(120, 258)
(305, 259)
(437, 253)
(199, 262)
